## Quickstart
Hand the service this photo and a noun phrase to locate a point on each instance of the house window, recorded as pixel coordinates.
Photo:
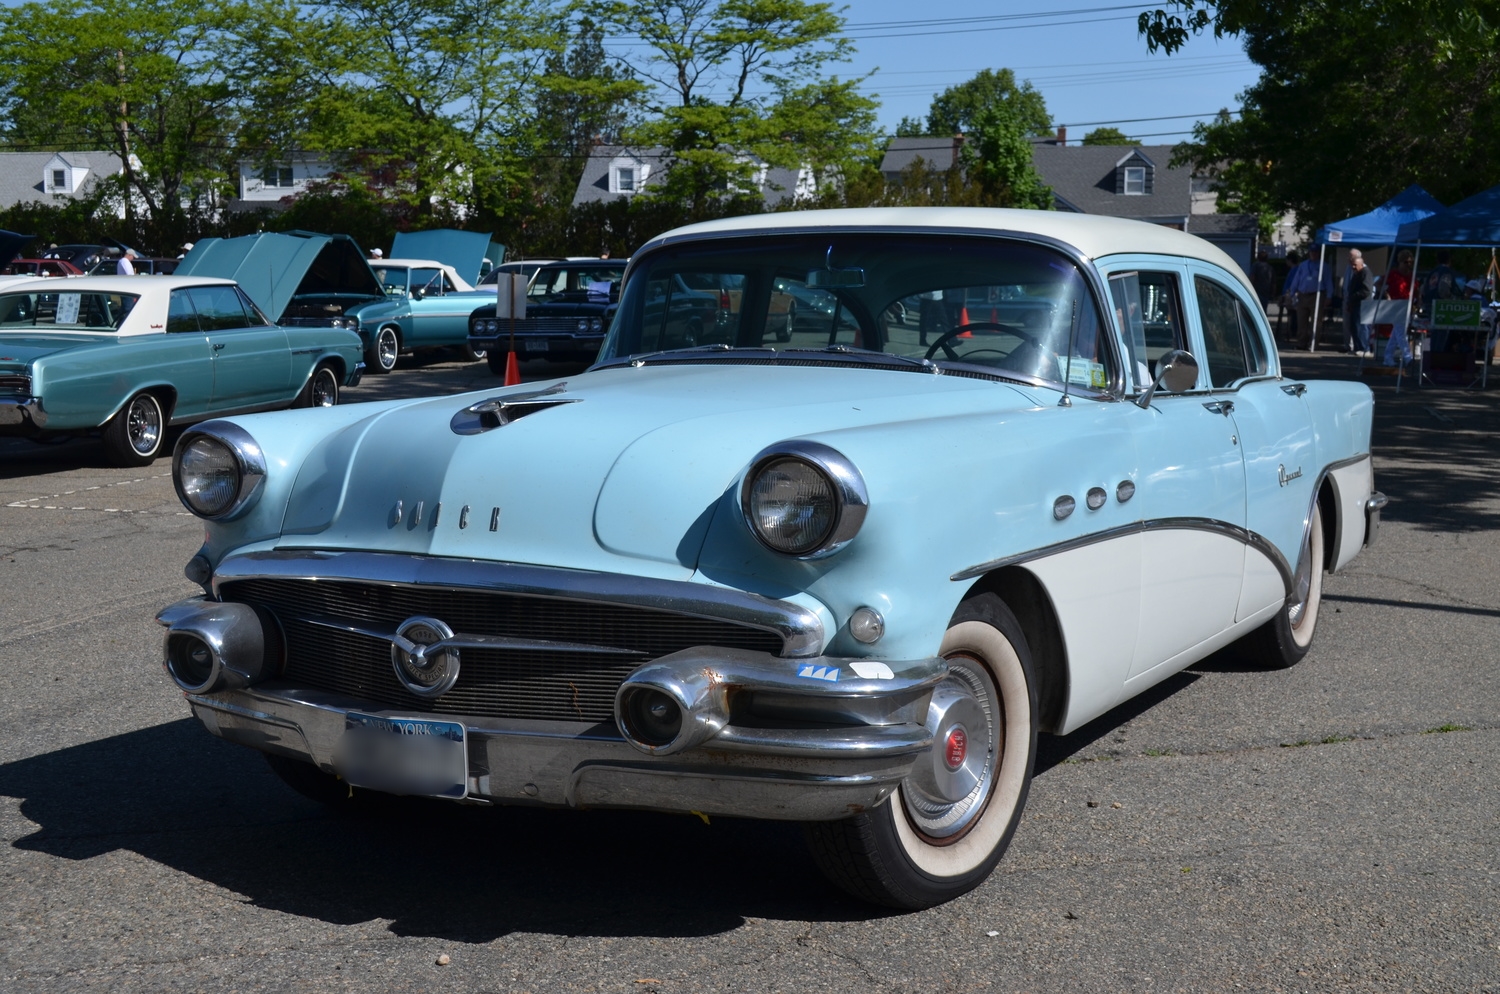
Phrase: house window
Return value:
(1135, 181)
(59, 179)
(277, 176)
(625, 180)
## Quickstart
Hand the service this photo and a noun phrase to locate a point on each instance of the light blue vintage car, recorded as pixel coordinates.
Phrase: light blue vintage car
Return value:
(125, 357)
(427, 306)
(844, 579)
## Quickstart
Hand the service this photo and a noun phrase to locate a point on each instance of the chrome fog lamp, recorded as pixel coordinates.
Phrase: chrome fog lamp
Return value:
(803, 499)
(218, 470)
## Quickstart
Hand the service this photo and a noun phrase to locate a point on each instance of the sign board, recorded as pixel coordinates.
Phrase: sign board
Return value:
(67, 307)
(1456, 314)
(510, 295)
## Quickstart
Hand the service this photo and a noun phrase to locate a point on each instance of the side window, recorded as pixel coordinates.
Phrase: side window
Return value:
(1150, 316)
(255, 315)
(219, 307)
(1230, 338)
(180, 313)
(427, 280)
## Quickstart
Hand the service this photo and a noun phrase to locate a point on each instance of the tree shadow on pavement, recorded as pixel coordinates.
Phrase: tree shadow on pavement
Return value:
(212, 810)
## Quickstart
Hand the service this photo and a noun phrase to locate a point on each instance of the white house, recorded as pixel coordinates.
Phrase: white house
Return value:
(46, 176)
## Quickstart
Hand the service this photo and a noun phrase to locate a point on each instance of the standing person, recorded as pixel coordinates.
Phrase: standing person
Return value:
(1398, 287)
(1262, 278)
(376, 255)
(1312, 299)
(1357, 289)
(126, 265)
(1443, 283)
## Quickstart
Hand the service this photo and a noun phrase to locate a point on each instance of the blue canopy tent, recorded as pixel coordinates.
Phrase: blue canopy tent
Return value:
(1380, 226)
(1471, 222)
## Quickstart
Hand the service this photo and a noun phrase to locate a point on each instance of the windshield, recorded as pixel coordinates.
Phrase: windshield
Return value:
(1013, 308)
(65, 311)
(574, 284)
(392, 279)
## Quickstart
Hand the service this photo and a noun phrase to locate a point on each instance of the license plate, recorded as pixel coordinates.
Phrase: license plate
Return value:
(404, 755)
(532, 345)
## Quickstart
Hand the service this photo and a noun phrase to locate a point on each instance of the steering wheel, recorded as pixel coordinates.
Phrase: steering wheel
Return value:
(942, 342)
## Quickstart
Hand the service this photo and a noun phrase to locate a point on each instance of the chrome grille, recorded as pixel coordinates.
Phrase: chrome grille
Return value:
(547, 326)
(499, 683)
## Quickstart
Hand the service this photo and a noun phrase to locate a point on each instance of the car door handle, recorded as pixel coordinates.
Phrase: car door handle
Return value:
(1294, 389)
(1224, 407)
(218, 346)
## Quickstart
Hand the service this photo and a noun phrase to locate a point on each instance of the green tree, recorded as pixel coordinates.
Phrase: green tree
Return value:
(150, 83)
(1108, 136)
(1352, 104)
(957, 109)
(997, 160)
(739, 81)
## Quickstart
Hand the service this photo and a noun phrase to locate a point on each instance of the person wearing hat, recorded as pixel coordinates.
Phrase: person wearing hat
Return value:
(125, 267)
(186, 248)
(376, 254)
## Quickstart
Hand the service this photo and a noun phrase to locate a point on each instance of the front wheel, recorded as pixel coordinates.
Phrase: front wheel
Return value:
(471, 354)
(133, 437)
(944, 829)
(322, 389)
(1285, 639)
(380, 357)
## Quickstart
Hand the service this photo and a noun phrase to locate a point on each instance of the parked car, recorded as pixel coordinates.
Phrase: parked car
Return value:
(470, 254)
(568, 308)
(525, 267)
(85, 257)
(42, 268)
(427, 306)
(845, 583)
(144, 266)
(126, 358)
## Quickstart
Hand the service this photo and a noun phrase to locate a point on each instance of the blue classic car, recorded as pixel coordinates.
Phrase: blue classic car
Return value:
(427, 305)
(125, 357)
(568, 308)
(844, 579)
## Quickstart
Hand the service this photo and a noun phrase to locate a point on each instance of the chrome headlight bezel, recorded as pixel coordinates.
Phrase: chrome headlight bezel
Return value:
(850, 497)
(249, 460)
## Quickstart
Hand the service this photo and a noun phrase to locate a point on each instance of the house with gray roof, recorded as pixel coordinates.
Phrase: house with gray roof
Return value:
(615, 171)
(45, 176)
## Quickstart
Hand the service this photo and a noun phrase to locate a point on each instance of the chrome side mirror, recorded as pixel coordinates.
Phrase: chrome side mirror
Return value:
(1177, 371)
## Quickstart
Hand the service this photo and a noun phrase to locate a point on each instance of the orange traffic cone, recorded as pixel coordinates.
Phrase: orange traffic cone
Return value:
(963, 319)
(512, 370)
(994, 315)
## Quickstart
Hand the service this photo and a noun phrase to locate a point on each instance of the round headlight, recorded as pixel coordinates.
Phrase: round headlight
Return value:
(803, 499)
(218, 470)
(208, 477)
(596, 324)
(583, 324)
(792, 506)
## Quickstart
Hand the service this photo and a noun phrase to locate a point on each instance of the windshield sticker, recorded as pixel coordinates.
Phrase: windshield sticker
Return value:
(67, 308)
(1087, 374)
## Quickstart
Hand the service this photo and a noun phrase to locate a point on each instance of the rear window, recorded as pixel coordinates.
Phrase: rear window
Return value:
(59, 311)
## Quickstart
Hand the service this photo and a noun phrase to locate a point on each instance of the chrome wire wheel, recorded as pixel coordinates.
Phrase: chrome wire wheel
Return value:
(324, 390)
(949, 788)
(143, 424)
(387, 348)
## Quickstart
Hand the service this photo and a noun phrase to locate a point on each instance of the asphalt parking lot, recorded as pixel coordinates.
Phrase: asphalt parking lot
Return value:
(1333, 827)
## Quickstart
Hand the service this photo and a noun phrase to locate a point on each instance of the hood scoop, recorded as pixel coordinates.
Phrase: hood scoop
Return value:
(497, 412)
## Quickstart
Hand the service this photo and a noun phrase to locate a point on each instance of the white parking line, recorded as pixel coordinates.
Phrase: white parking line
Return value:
(32, 501)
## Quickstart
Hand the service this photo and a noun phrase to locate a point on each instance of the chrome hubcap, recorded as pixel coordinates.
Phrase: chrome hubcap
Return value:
(948, 788)
(386, 346)
(143, 425)
(325, 391)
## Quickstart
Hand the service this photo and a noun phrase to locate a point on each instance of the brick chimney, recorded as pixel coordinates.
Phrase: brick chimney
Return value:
(1062, 135)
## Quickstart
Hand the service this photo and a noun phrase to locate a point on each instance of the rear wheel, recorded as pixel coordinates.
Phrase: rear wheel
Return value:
(1285, 639)
(381, 356)
(133, 437)
(322, 389)
(944, 829)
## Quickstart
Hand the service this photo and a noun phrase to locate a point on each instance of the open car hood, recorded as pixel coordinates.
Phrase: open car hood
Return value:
(274, 267)
(465, 251)
(11, 245)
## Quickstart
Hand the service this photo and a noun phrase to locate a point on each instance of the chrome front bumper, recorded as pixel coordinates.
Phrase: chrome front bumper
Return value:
(565, 764)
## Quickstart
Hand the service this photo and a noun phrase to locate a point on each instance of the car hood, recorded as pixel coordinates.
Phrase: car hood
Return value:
(20, 348)
(465, 251)
(275, 267)
(626, 463)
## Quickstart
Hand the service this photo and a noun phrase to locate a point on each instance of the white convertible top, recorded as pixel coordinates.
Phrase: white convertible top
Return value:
(459, 283)
(1091, 234)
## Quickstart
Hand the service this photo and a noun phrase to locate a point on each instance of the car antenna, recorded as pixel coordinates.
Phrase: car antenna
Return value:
(1065, 400)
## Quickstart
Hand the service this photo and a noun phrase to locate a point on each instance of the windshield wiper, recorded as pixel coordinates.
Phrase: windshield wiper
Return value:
(859, 353)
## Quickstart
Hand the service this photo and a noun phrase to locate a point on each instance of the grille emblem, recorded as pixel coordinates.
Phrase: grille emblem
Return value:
(424, 663)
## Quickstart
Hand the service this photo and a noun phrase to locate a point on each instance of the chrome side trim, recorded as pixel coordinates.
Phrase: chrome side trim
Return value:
(800, 629)
(1256, 541)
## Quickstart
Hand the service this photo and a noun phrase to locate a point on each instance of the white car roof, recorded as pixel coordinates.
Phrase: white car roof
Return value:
(458, 281)
(120, 284)
(1091, 234)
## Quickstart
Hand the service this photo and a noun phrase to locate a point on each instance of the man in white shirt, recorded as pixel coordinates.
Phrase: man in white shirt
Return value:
(125, 267)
